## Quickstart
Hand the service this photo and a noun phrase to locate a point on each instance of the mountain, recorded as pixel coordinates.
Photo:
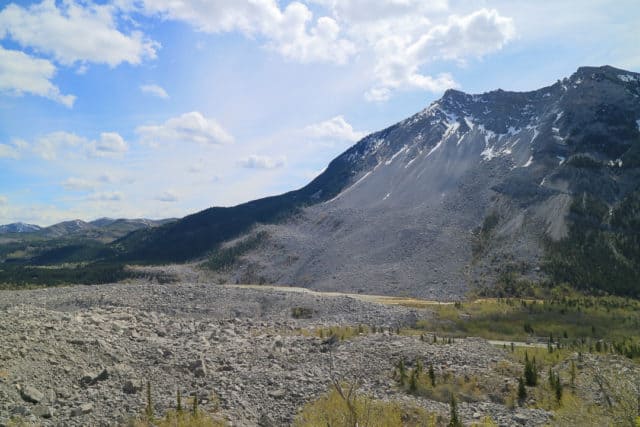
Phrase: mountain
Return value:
(66, 228)
(18, 227)
(539, 184)
(66, 242)
(104, 229)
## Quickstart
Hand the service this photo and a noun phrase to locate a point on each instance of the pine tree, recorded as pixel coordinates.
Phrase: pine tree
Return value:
(195, 405)
(522, 390)
(149, 408)
(455, 420)
(402, 372)
(573, 374)
(530, 371)
(419, 366)
(413, 381)
(432, 375)
(179, 401)
(558, 388)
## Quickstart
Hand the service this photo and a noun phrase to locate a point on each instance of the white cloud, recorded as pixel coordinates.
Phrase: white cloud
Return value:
(367, 11)
(335, 128)
(169, 196)
(110, 144)
(292, 32)
(155, 90)
(4, 201)
(49, 146)
(21, 73)
(255, 161)
(73, 32)
(66, 144)
(78, 184)
(292, 38)
(108, 196)
(7, 151)
(399, 58)
(188, 127)
(474, 35)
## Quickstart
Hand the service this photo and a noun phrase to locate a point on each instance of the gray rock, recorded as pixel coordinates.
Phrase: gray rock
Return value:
(278, 394)
(31, 394)
(92, 378)
(43, 411)
(198, 368)
(85, 408)
(132, 386)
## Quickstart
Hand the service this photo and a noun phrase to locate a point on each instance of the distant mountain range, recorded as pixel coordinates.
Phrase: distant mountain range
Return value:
(103, 227)
(18, 227)
(500, 186)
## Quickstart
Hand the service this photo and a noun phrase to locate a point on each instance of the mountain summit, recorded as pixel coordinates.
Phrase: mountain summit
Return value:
(471, 189)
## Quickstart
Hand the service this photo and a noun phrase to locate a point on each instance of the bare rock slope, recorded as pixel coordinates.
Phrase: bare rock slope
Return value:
(470, 187)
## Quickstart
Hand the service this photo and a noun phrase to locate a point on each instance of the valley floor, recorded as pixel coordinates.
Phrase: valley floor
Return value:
(78, 356)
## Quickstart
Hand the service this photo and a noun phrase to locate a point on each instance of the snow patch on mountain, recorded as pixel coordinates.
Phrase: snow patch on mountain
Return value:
(627, 78)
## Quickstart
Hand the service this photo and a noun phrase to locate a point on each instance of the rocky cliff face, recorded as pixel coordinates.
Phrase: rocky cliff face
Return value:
(471, 187)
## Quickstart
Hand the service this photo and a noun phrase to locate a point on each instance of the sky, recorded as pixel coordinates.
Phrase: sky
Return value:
(161, 108)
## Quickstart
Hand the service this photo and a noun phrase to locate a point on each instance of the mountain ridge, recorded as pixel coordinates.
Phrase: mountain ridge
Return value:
(473, 188)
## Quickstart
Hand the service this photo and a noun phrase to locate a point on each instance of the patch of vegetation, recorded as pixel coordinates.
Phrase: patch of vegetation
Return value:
(73, 253)
(333, 409)
(21, 276)
(483, 234)
(441, 387)
(340, 332)
(189, 415)
(565, 386)
(604, 324)
(301, 312)
(602, 249)
(584, 161)
(224, 258)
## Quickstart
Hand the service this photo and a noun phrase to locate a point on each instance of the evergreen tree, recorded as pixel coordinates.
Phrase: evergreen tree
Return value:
(573, 374)
(149, 408)
(413, 381)
(179, 401)
(455, 419)
(402, 372)
(195, 405)
(432, 375)
(530, 371)
(522, 390)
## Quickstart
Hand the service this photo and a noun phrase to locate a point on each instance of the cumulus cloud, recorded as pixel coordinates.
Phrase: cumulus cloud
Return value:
(169, 196)
(51, 146)
(399, 59)
(335, 128)
(291, 31)
(188, 127)
(255, 161)
(155, 90)
(110, 144)
(21, 73)
(73, 32)
(474, 35)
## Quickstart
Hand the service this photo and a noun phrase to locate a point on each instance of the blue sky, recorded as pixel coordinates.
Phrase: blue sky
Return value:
(158, 108)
